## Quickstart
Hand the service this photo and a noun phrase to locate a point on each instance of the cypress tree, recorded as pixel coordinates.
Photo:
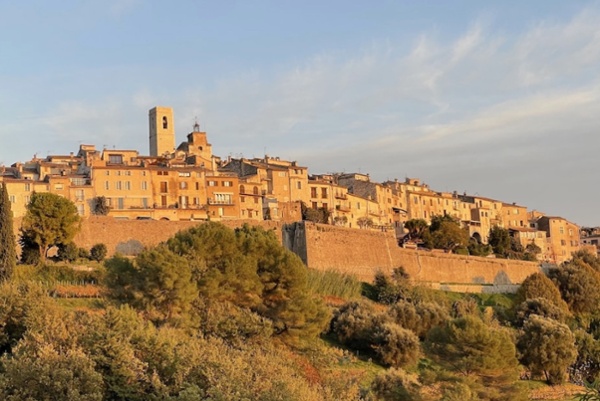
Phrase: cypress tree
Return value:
(8, 253)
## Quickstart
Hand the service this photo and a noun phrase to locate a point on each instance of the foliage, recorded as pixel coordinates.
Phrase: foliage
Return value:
(500, 241)
(588, 258)
(364, 222)
(419, 317)
(250, 268)
(547, 347)
(321, 215)
(158, 282)
(477, 249)
(540, 307)
(539, 286)
(8, 253)
(100, 206)
(41, 371)
(50, 220)
(578, 284)
(415, 228)
(68, 252)
(334, 283)
(98, 252)
(396, 384)
(448, 235)
(394, 345)
(353, 324)
(470, 347)
(587, 365)
(389, 290)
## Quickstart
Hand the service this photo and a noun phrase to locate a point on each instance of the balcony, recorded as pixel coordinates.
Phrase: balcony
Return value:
(221, 202)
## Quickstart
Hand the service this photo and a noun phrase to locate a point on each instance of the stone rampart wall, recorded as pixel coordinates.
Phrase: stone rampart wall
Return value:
(363, 253)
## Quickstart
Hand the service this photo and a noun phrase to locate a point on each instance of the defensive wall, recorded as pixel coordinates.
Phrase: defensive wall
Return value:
(323, 247)
(364, 252)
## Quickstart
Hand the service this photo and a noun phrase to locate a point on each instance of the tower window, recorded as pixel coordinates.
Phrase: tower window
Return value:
(165, 123)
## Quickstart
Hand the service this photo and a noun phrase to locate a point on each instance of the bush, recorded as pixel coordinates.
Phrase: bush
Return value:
(353, 325)
(419, 317)
(396, 384)
(98, 252)
(394, 345)
(389, 290)
(68, 252)
(541, 307)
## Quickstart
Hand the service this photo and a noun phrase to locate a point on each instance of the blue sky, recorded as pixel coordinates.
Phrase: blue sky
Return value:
(500, 99)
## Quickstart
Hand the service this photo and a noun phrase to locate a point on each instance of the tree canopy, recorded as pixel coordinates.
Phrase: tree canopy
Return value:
(8, 254)
(50, 220)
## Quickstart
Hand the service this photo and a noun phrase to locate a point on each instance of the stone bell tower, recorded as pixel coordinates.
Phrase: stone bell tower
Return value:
(162, 131)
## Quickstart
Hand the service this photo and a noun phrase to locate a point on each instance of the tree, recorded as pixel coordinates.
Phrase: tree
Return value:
(415, 228)
(50, 220)
(394, 345)
(396, 384)
(8, 254)
(578, 284)
(158, 283)
(547, 346)
(419, 317)
(98, 252)
(447, 234)
(100, 206)
(364, 222)
(472, 348)
(538, 285)
(499, 239)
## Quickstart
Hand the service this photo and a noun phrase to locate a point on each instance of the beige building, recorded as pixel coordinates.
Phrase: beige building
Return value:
(562, 238)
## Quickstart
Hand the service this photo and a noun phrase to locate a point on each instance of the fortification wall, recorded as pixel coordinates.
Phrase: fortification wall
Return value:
(114, 233)
(363, 253)
(323, 247)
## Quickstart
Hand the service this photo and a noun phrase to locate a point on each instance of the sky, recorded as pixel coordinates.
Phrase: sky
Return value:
(493, 98)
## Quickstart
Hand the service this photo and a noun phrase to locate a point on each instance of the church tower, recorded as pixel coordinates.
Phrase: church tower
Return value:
(162, 131)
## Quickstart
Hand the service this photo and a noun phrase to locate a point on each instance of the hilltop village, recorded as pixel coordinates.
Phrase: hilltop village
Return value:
(188, 182)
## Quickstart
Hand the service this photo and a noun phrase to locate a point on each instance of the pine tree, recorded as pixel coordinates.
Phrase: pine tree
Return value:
(8, 254)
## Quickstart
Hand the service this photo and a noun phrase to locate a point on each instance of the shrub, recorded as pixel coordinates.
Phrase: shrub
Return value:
(98, 252)
(419, 317)
(394, 345)
(396, 384)
(391, 289)
(353, 325)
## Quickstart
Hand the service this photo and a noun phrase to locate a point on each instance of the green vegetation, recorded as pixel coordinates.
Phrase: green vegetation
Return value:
(8, 255)
(50, 220)
(221, 314)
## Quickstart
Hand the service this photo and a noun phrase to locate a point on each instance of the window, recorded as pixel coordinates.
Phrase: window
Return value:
(314, 205)
(255, 190)
(80, 210)
(115, 159)
(106, 185)
(298, 185)
(118, 185)
(127, 172)
(127, 185)
(227, 183)
(313, 192)
(107, 172)
(79, 195)
(255, 200)
(183, 185)
(324, 193)
(242, 199)
(197, 186)
(282, 174)
(416, 200)
(325, 205)
(144, 185)
(28, 187)
(358, 205)
(118, 172)
(165, 122)
(120, 203)
(212, 183)
(144, 173)
(184, 174)
(164, 187)
(242, 189)
(27, 199)
(12, 198)
(58, 186)
(145, 203)
(561, 230)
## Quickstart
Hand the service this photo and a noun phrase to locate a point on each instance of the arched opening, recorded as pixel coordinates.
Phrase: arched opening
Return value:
(165, 219)
(255, 190)
(242, 189)
(477, 237)
(165, 122)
